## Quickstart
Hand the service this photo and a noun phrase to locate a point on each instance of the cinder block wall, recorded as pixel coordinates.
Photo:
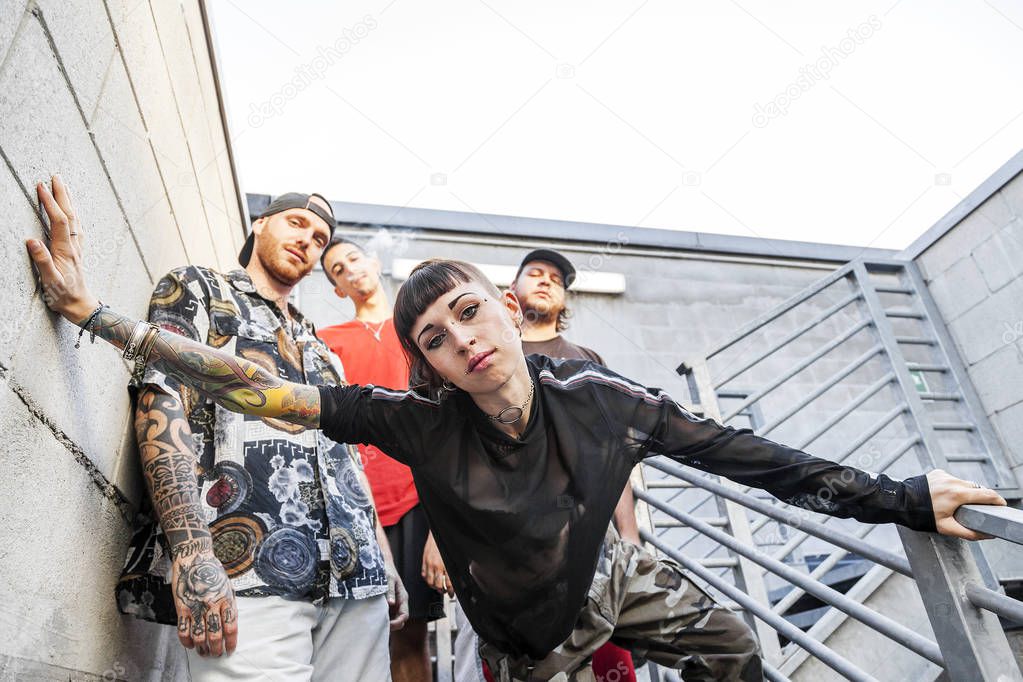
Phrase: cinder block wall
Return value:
(975, 274)
(119, 98)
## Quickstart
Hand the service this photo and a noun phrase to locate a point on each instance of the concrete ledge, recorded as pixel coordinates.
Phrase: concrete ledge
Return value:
(973, 200)
(616, 236)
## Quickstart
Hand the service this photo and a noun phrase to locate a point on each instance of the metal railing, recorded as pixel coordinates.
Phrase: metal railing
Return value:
(859, 369)
(970, 642)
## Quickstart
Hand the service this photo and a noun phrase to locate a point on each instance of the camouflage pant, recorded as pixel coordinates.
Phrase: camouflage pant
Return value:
(649, 606)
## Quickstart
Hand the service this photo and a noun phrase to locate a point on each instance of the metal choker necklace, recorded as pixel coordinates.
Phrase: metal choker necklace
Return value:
(513, 413)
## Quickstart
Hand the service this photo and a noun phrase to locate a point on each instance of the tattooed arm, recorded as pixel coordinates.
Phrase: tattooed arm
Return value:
(203, 597)
(234, 383)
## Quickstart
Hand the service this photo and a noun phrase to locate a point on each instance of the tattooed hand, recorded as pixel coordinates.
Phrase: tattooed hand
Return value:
(204, 600)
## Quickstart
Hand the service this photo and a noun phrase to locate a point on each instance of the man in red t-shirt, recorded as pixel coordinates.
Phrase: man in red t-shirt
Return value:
(371, 354)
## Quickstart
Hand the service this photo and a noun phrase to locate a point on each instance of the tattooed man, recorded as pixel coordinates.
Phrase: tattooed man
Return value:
(264, 535)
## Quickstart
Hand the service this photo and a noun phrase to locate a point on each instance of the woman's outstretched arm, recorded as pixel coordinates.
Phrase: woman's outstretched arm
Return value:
(234, 383)
(656, 424)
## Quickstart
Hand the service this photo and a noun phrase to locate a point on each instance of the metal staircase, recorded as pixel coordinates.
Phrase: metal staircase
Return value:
(857, 368)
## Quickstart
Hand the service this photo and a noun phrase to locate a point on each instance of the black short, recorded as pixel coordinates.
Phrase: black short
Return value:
(407, 539)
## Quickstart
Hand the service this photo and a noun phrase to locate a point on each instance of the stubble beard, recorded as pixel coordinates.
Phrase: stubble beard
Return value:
(539, 313)
(276, 263)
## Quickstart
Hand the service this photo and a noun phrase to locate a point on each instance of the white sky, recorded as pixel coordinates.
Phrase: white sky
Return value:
(633, 112)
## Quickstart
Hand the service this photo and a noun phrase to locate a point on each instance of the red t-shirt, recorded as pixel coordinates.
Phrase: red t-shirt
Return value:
(382, 363)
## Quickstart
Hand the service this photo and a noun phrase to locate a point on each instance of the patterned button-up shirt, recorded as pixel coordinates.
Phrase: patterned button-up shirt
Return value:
(285, 507)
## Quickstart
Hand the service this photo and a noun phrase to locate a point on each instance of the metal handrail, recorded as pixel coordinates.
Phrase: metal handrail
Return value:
(995, 602)
(826, 655)
(842, 273)
(828, 384)
(886, 626)
(1001, 522)
(799, 367)
(954, 582)
(793, 595)
(835, 537)
(790, 338)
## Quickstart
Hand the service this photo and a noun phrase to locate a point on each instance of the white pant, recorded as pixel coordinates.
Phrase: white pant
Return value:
(468, 664)
(280, 640)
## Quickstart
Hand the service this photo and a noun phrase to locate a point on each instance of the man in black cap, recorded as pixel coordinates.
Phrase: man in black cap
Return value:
(259, 540)
(541, 285)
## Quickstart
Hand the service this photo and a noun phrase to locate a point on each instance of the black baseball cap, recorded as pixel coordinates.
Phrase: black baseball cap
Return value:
(283, 203)
(555, 259)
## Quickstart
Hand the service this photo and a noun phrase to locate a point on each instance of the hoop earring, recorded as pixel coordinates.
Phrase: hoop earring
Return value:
(448, 386)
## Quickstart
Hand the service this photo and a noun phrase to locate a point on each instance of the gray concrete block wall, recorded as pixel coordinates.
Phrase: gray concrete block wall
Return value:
(119, 98)
(975, 274)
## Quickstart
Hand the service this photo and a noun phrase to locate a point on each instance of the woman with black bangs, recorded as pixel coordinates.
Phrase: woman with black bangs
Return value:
(519, 463)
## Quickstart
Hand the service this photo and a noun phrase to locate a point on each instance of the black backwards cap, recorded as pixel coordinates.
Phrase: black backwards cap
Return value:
(283, 203)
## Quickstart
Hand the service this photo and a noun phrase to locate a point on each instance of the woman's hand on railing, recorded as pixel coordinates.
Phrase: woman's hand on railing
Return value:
(948, 493)
(60, 267)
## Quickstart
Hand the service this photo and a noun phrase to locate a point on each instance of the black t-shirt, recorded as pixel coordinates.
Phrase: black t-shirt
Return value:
(560, 347)
(519, 522)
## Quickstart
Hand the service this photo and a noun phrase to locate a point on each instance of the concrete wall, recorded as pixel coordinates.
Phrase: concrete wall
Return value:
(975, 274)
(119, 98)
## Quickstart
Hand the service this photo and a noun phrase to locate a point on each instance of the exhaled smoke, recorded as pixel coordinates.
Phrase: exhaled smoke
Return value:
(388, 244)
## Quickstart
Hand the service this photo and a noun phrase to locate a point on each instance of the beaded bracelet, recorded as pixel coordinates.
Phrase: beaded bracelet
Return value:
(88, 323)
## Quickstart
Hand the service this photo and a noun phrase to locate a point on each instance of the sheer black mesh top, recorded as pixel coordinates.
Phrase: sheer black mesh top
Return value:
(519, 522)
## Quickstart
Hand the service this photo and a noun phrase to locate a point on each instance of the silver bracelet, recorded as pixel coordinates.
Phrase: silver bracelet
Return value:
(131, 348)
(145, 348)
(152, 335)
